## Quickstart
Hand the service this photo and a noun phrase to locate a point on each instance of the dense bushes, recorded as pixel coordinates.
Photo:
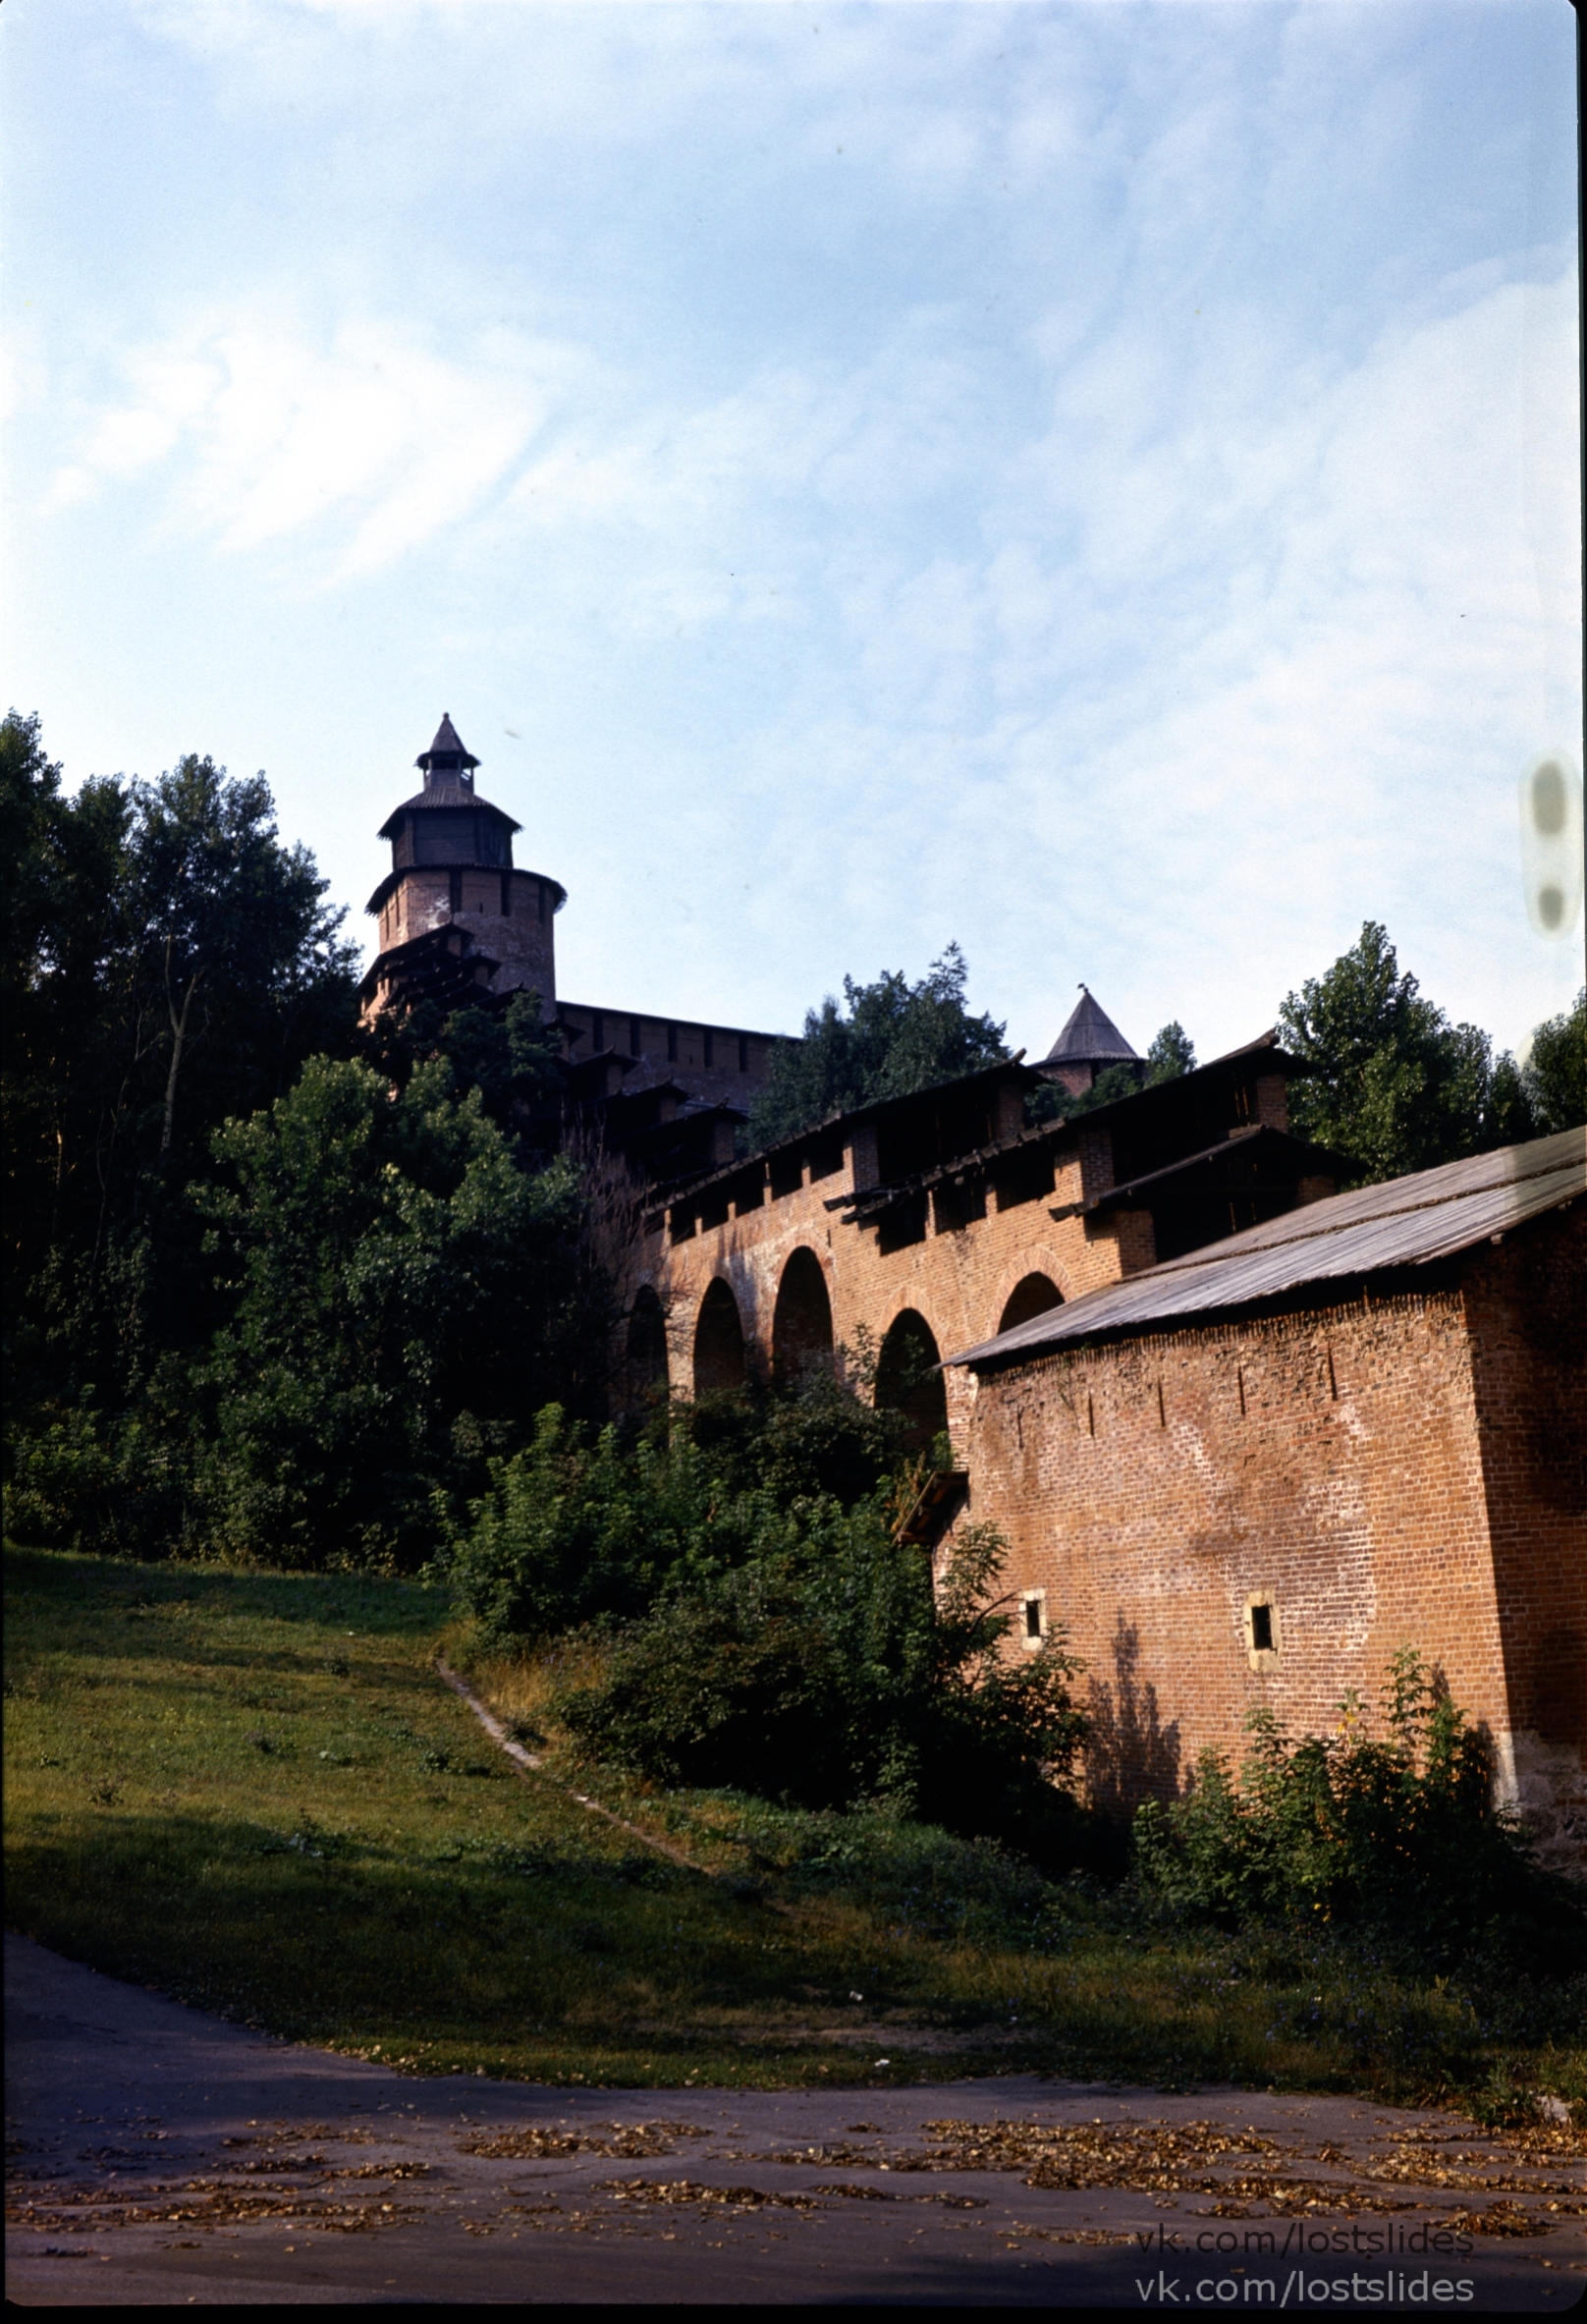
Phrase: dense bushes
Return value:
(396, 1295)
(764, 1627)
(1397, 1839)
(828, 1671)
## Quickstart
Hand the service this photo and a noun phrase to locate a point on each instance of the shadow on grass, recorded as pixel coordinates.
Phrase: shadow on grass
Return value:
(326, 1936)
(79, 1588)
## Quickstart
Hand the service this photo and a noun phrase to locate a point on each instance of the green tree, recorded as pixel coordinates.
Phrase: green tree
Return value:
(1555, 1077)
(63, 864)
(168, 962)
(236, 964)
(888, 1038)
(1171, 1054)
(402, 1299)
(503, 1050)
(1394, 1084)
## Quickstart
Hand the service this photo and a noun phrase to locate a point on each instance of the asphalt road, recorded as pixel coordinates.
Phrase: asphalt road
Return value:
(162, 2157)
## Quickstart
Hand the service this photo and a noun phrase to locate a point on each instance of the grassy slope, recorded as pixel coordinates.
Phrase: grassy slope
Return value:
(253, 1791)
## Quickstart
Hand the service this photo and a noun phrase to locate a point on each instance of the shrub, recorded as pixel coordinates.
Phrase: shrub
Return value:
(1399, 1837)
(832, 1672)
(86, 1480)
(572, 1529)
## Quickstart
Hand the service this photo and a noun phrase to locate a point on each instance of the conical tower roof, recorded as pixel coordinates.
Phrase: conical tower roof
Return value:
(447, 750)
(1090, 1037)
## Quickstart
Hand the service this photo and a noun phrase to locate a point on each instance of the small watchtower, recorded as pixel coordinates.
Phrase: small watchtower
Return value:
(454, 891)
(1089, 1043)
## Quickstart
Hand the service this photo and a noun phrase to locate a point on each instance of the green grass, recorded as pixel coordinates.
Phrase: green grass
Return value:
(251, 1791)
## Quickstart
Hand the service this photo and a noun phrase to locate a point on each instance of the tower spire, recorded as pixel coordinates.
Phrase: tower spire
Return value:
(446, 756)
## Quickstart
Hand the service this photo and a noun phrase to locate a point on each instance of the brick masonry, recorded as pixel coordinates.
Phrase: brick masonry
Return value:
(1400, 1466)
(957, 1277)
(724, 1064)
(1398, 1463)
(522, 938)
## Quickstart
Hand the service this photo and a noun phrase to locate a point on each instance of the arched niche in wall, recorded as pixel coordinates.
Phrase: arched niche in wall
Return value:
(647, 1339)
(908, 1382)
(1031, 1295)
(719, 1342)
(801, 1321)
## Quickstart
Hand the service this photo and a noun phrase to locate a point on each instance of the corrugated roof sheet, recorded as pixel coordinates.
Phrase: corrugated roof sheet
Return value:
(1429, 1216)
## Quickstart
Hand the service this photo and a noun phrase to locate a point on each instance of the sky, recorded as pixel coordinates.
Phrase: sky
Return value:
(1093, 482)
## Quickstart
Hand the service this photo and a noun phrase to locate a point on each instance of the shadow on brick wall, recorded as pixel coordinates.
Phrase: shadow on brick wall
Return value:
(1131, 1755)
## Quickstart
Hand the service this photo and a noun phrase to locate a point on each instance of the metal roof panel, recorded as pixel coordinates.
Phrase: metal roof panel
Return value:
(1409, 1221)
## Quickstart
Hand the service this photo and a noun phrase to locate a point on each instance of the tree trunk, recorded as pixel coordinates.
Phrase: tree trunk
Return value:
(179, 1035)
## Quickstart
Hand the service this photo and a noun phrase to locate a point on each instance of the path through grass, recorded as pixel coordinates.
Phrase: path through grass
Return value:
(254, 1791)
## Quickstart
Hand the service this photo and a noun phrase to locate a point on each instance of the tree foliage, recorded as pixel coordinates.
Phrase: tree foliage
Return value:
(1394, 1084)
(1172, 1053)
(169, 962)
(826, 1671)
(887, 1039)
(264, 1296)
(762, 1625)
(1554, 1081)
(383, 1256)
(507, 1053)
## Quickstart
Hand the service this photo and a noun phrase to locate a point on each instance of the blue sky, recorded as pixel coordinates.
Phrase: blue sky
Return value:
(1094, 481)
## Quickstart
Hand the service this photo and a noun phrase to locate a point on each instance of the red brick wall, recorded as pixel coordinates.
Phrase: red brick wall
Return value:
(958, 1279)
(1526, 1311)
(522, 940)
(670, 1048)
(1330, 1461)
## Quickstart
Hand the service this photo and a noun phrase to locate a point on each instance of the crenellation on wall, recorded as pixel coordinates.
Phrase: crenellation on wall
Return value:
(721, 1064)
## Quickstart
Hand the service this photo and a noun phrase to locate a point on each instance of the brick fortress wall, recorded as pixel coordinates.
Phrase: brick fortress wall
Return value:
(1526, 1312)
(1380, 1471)
(956, 1260)
(724, 1064)
(957, 1277)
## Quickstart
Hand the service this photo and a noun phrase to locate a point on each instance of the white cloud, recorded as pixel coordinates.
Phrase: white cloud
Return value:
(365, 442)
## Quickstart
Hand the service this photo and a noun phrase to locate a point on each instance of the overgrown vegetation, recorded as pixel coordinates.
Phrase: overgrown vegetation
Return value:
(1554, 1078)
(739, 1623)
(251, 1789)
(271, 1286)
(279, 1289)
(285, 1295)
(1391, 1838)
(888, 1038)
(762, 1622)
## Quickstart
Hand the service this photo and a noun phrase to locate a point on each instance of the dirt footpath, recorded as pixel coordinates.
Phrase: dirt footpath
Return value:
(160, 2156)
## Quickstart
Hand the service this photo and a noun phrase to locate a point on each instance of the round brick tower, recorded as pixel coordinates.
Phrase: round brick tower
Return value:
(453, 902)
